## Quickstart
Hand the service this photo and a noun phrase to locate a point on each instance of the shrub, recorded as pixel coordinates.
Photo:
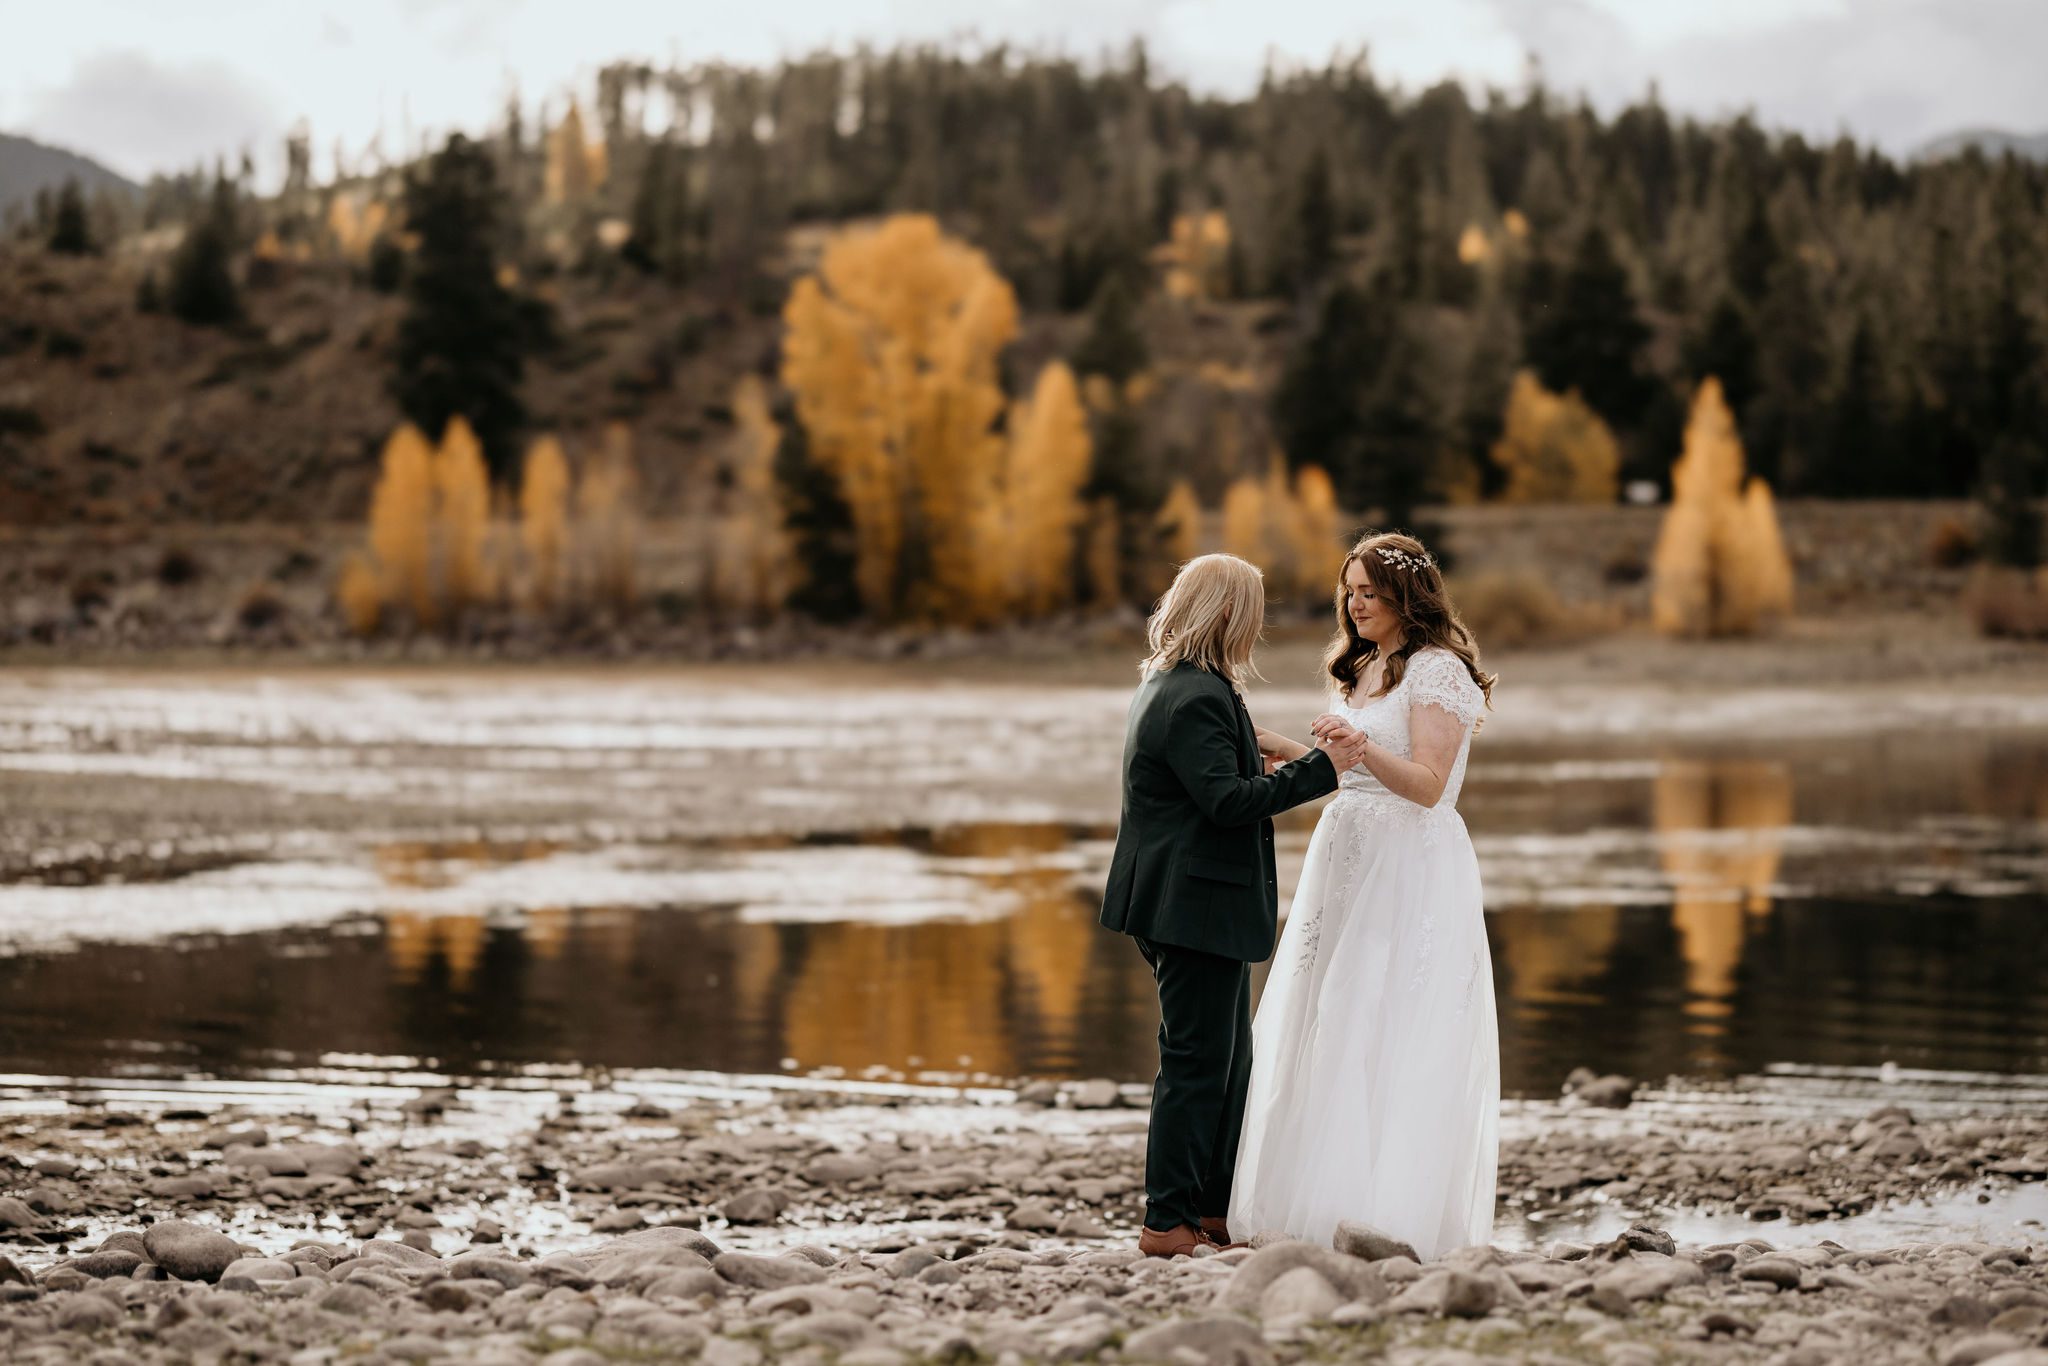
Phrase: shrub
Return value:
(1506, 610)
(178, 567)
(2009, 602)
(1952, 545)
(20, 420)
(261, 606)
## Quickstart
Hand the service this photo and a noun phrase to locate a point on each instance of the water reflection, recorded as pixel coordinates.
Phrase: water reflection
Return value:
(1705, 913)
(1720, 826)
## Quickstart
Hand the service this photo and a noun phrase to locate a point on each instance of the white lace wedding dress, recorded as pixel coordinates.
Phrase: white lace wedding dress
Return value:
(1375, 1090)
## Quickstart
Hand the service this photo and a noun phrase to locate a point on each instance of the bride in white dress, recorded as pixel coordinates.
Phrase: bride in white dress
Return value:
(1375, 1088)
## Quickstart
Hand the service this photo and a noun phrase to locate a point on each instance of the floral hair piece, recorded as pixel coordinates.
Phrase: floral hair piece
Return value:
(1401, 559)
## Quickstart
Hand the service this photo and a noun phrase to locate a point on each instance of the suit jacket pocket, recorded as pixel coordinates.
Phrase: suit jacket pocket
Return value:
(1220, 872)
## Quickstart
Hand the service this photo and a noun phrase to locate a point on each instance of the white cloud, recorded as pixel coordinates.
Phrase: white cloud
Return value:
(140, 116)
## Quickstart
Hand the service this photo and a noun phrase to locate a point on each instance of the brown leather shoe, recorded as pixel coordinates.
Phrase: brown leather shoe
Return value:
(1174, 1242)
(1216, 1230)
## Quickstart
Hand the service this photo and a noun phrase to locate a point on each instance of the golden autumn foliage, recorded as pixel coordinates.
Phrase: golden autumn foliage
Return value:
(575, 165)
(1244, 520)
(355, 221)
(752, 559)
(544, 520)
(462, 515)
(607, 521)
(1473, 247)
(1318, 537)
(1040, 509)
(401, 524)
(438, 543)
(1102, 554)
(891, 350)
(1197, 256)
(360, 594)
(1554, 448)
(1289, 531)
(1180, 523)
(1720, 566)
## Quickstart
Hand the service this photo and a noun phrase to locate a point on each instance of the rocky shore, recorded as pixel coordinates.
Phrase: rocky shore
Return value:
(876, 1227)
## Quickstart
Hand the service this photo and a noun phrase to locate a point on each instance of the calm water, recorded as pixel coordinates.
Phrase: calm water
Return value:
(1688, 908)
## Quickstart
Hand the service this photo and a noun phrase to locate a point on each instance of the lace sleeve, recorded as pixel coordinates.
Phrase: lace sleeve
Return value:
(1438, 678)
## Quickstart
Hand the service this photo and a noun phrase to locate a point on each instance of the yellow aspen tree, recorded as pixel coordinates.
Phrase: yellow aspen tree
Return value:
(1197, 256)
(462, 515)
(891, 350)
(1244, 520)
(607, 523)
(1048, 461)
(1554, 448)
(401, 523)
(360, 593)
(1319, 552)
(1720, 566)
(1102, 555)
(571, 174)
(544, 519)
(1180, 523)
(752, 568)
(1282, 534)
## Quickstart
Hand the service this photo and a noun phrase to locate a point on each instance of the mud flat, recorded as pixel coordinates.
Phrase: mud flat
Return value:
(734, 1221)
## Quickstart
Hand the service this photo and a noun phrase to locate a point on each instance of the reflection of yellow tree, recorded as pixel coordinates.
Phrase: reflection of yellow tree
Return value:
(545, 929)
(868, 994)
(412, 941)
(1548, 952)
(1719, 880)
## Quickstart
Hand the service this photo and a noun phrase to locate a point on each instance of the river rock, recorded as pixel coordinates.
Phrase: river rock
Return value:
(15, 1214)
(762, 1206)
(766, 1273)
(841, 1169)
(1979, 1347)
(188, 1252)
(1369, 1244)
(260, 1269)
(1097, 1093)
(106, 1265)
(1349, 1277)
(1776, 1270)
(1032, 1217)
(1216, 1339)
(1300, 1293)
(86, 1314)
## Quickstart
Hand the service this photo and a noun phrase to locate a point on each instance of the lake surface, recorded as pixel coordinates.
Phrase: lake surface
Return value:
(246, 878)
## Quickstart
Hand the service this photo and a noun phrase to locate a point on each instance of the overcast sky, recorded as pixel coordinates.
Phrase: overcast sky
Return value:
(149, 85)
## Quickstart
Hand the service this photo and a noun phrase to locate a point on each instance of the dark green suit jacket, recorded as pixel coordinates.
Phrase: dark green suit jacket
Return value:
(1194, 851)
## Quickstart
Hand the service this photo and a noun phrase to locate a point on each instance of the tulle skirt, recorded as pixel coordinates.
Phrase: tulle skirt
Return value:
(1375, 1090)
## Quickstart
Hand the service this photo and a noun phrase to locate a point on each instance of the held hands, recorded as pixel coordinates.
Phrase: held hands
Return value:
(1336, 738)
(1277, 749)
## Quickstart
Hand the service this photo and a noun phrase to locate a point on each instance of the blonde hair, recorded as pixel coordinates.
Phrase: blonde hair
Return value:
(1211, 615)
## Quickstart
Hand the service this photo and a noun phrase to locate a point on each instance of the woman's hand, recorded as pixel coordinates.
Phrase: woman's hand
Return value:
(1336, 737)
(1277, 749)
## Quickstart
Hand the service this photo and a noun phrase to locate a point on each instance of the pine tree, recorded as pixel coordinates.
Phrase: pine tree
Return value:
(461, 344)
(69, 232)
(823, 539)
(1318, 403)
(1592, 338)
(1115, 345)
(659, 241)
(201, 289)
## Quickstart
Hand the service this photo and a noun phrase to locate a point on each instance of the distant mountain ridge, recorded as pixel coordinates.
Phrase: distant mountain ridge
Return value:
(27, 166)
(1993, 142)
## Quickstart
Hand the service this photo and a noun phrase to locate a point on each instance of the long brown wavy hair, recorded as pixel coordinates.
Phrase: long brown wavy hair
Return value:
(1415, 589)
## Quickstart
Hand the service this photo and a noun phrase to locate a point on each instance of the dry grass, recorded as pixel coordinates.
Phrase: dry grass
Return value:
(2010, 603)
(1511, 610)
